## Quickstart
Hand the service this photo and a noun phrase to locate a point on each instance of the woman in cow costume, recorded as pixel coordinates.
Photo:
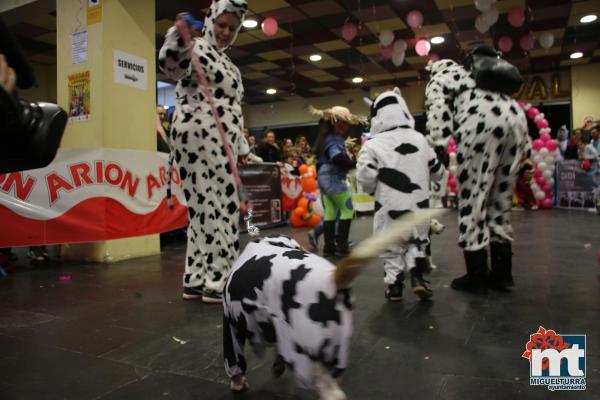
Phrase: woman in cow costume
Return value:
(490, 130)
(395, 165)
(209, 188)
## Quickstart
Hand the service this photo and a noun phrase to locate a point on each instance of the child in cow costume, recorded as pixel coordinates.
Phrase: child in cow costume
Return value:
(395, 165)
(473, 103)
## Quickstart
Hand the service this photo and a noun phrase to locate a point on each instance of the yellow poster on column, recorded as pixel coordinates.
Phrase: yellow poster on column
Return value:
(79, 97)
(94, 12)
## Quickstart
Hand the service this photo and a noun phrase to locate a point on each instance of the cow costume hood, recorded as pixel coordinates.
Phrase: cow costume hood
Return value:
(218, 7)
(389, 112)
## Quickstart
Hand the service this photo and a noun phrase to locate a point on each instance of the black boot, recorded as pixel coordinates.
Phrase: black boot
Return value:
(329, 233)
(476, 278)
(394, 292)
(419, 285)
(342, 237)
(501, 260)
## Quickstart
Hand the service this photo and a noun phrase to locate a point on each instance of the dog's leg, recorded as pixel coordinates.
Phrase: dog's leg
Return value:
(235, 362)
(327, 386)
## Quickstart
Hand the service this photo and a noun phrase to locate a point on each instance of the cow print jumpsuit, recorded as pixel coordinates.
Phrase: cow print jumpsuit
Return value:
(209, 188)
(490, 130)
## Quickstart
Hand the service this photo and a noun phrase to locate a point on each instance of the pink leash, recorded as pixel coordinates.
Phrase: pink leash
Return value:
(184, 32)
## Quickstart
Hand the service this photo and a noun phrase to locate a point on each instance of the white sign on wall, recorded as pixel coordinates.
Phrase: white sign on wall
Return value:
(131, 70)
(79, 47)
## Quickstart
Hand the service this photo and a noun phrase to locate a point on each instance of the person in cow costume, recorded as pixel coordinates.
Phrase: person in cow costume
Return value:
(208, 183)
(472, 102)
(395, 166)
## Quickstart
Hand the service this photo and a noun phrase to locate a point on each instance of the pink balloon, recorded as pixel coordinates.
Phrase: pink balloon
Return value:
(422, 47)
(540, 180)
(547, 203)
(542, 123)
(552, 145)
(516, 17)
(537, 144)
(547, 187)
(533, 112)
(545, 138)
(505, 44)
(452, 142)
(387, 52)
(527, 42)
(538, 173)
(451, 149)
(415, 19)
(349, 31)
(270, 26)
(521, 104)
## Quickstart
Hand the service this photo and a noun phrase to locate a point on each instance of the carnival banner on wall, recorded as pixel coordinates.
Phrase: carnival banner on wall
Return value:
(79, 97)
(88, 195)
(576, 187)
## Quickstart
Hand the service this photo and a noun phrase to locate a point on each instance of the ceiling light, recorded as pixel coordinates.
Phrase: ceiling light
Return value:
(586, 19)
(358, 79)
(166, 107)
(437, 40)
(271, 91)
(315, 57)
(250, 23)
(576, 55)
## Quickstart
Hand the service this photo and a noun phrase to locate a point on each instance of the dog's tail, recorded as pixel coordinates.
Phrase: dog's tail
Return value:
(400, 231)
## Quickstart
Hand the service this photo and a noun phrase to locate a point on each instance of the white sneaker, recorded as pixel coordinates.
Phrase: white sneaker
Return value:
(592, 210)
(518, 208)
(535, 208)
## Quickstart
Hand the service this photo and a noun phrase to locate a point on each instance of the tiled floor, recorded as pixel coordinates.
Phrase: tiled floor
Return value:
(121, 331)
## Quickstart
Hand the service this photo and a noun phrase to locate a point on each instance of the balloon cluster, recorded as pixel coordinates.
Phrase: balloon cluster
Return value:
(306, 212)
(544, 157)
(453, 166)
(488, 17)
(394, 50)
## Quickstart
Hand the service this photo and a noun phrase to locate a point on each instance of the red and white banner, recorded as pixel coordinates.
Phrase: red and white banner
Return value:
(88, 195)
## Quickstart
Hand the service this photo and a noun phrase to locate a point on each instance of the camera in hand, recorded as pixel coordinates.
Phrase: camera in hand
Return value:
(30, 133)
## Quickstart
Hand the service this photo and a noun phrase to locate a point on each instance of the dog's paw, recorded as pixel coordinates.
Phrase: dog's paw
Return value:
(239, 383)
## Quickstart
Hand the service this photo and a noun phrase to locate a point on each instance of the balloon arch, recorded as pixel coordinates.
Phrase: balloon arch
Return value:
(543, 156)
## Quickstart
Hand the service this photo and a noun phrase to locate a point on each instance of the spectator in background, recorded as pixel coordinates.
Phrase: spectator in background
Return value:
(562, 136)
(596, 138)
(252, 158)
(268, 149)
(572, 152)
(302, 145)
(162, 127)
(287, 142)
(523, 191)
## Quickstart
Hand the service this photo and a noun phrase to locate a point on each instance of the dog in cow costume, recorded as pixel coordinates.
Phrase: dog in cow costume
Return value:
(278, 294)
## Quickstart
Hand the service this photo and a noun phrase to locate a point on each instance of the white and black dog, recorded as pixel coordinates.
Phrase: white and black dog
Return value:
(278, 294)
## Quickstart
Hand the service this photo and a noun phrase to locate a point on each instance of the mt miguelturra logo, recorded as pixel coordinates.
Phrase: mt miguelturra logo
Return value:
(556, 361)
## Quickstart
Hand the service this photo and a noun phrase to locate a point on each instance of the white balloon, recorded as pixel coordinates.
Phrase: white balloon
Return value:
(544, 151)
(548, 174)
(545, 130)
(550, 160)
(491, 16)
(453, 170)
(539, 116)
(398, 59)
(534, 186)
(483, 5)
(538, 159)
(546, 40)
(542, 166)
(386, 37)
(540, 195)
(480, 25)
(551, 180)
(400, 46)
(452, 157)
